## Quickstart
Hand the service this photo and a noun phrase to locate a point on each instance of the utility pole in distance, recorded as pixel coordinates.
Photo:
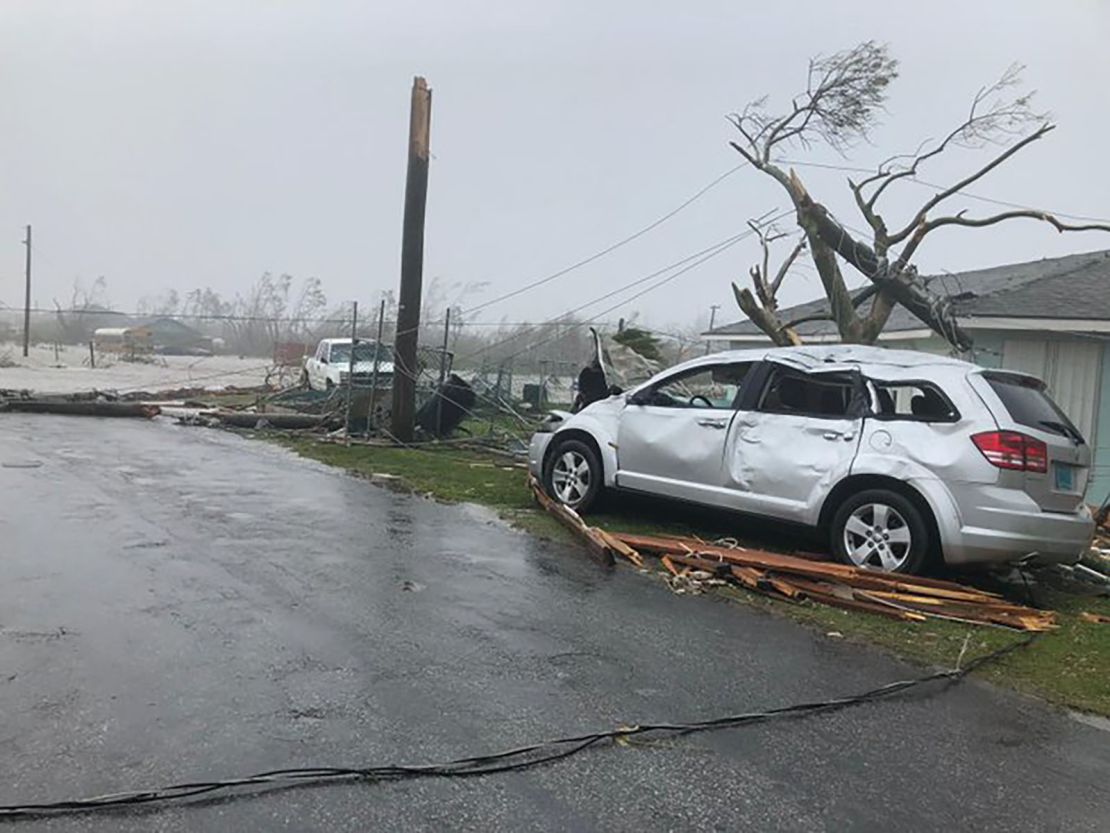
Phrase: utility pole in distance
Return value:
(712, 319)
(412, 263)
(27, 297)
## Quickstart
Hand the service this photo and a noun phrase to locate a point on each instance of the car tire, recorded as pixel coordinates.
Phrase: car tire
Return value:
(329, 385)
(880, 529)
(573, 476)
(304, 379)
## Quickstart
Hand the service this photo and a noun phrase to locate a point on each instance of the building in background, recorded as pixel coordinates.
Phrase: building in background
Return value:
(173, 338)
(1050, 318)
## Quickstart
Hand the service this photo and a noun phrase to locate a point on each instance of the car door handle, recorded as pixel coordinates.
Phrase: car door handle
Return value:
(712, 423)
(836, 435)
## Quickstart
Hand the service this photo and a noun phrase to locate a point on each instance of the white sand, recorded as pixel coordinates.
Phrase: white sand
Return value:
(41, 372)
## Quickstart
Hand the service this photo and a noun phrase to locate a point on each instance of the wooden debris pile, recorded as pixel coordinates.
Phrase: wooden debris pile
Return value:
(909, 598)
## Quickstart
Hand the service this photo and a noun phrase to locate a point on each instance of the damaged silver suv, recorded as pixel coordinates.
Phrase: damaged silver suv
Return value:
(897, 457)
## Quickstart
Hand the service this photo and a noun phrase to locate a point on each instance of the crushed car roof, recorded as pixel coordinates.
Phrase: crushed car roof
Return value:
(878, 362)
(858, 355)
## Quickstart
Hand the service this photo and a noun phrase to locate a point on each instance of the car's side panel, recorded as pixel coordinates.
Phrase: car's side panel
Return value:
(675, 452)
(783, 465)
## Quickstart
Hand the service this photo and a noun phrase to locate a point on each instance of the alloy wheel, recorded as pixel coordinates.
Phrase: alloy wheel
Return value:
(570, 477)
(877, 536)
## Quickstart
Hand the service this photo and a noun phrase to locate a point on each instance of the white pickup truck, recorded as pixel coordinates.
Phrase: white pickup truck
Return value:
(327, 368)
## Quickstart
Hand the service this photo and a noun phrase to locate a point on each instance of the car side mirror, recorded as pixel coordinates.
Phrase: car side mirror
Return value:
(323, 360)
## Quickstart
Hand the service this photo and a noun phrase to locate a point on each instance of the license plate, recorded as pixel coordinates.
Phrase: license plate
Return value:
(1065, 477)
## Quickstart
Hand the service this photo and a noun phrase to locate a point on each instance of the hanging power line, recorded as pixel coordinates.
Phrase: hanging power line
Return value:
(698, 258)
(728, 241)
(624, 241)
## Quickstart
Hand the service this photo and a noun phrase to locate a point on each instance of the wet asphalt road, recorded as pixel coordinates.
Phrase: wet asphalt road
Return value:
(181, 603)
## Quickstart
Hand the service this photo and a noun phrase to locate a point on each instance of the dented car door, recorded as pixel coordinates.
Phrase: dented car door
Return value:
(796, 439)
(672, 435)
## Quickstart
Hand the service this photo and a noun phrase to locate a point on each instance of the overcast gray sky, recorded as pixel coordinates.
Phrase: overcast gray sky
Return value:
(200, 144)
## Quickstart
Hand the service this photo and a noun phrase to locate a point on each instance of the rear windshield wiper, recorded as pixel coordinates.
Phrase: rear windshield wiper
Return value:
(1062, 428)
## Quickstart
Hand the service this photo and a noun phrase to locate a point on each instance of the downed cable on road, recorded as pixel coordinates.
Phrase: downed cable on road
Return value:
(894, 595)
(520, 758)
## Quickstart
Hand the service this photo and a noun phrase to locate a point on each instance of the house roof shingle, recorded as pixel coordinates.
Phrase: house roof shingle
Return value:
(1073, 287)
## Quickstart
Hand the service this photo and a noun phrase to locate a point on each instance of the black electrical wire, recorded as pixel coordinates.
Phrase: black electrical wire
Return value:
(611, 248)
(519, 758)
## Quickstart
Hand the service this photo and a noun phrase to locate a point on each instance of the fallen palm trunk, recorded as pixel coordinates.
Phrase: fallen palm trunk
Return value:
(81, 408)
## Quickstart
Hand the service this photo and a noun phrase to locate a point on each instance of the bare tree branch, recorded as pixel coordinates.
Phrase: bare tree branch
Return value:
(844, 91)
(784, 267)
(992, 118)
(940, 197)
(979, 222)
(767, 320)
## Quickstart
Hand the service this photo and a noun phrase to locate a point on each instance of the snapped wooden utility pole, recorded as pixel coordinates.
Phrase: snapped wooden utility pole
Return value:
(412, 264)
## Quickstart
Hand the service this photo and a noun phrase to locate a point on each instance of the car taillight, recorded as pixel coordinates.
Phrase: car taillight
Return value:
(1011, 450)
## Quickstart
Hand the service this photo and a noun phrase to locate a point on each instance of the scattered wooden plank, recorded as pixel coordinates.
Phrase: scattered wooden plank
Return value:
(619, 547)
(907, 598)
(790, 564)
(572, 521)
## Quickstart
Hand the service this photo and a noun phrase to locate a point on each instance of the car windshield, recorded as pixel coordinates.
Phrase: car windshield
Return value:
(365, 351)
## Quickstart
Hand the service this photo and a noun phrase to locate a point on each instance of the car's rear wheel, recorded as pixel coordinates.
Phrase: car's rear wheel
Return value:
(880, 529)
(573, 475)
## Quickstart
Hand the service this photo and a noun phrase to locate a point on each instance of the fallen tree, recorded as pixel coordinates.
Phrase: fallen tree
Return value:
(845, 94)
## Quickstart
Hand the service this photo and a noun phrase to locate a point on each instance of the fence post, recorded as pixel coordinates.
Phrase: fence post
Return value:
(92, 357)
(351, 372)
(370, 421)
(442, 373)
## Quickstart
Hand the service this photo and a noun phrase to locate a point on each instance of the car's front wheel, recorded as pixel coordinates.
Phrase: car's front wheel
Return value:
(881, 530)
(573, 475)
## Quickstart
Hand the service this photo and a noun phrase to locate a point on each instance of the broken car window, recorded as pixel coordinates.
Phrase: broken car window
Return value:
(921, 401)
(791, 392)
(706, 387)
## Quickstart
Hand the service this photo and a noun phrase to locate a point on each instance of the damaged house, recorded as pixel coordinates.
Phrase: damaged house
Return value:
(1049, 318)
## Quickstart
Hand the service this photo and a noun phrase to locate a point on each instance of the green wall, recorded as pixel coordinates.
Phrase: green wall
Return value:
(1100, 484)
